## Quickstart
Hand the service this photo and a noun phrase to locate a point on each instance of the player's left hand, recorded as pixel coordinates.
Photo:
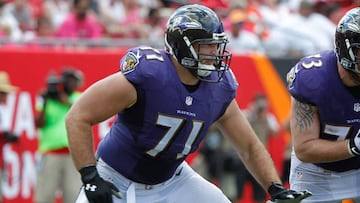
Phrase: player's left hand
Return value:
(97, 190)
(279, 194)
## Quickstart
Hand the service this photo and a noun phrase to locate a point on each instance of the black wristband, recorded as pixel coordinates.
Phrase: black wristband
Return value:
(275, 189)
(88, 173)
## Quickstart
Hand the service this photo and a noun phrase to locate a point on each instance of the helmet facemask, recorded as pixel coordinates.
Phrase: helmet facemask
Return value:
(352, 62)
(347, 42)
(205, 63)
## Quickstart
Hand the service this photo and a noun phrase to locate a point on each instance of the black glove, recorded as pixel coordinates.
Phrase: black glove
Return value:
(97, 190)
(354, 145)
(279, 194)
(10, 137)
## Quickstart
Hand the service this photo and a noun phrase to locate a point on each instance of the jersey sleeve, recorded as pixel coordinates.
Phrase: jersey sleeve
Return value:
(305, 80)
(141, 65)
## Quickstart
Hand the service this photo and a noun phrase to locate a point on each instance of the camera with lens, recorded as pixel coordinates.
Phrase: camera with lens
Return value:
(56, 85)
(53, 87)
(260, 108)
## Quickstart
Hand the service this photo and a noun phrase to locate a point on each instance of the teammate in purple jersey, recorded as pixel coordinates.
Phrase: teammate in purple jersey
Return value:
(165, 102)
(325, 118)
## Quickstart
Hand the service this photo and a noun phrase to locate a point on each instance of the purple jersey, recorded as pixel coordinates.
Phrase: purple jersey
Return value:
(149, 140)
(315, 80)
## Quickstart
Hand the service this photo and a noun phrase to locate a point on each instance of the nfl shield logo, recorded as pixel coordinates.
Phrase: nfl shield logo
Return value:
(357, 107)
(188, 100)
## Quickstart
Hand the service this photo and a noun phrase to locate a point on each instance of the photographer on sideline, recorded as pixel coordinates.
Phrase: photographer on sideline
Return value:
(55, 168)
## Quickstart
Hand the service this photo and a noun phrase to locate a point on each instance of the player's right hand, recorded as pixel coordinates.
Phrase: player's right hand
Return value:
(279, 194)
(97, 190)
(354, 145)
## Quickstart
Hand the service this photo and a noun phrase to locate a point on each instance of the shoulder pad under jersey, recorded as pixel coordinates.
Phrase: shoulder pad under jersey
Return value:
(306, 80)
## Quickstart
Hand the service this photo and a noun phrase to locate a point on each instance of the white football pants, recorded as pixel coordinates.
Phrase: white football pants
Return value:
(185, 186)
(326, 186)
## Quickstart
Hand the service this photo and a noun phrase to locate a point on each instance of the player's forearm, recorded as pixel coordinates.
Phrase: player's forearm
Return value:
(80, 143)
(261, 166)
(320, 151)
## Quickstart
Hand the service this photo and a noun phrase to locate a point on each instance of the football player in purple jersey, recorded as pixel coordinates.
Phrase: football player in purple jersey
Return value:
(325, 118)
(165, 102)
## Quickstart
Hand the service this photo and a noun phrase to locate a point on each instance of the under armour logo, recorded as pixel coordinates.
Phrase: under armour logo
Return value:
(90, 187)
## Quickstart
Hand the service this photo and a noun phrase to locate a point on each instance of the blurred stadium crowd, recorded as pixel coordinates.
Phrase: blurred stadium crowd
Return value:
(273, 27)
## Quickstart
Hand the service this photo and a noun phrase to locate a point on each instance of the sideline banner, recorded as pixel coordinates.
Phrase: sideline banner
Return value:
(29, 68)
